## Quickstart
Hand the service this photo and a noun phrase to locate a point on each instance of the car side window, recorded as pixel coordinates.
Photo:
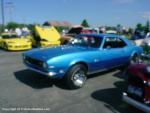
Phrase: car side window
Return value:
(120, 43)
(109, 42)
(113, 42)
(95, 42)
(92, 41)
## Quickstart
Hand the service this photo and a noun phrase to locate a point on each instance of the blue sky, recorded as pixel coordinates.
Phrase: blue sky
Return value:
(97, 12)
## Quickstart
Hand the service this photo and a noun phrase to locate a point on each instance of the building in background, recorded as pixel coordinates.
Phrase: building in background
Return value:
(64, 24)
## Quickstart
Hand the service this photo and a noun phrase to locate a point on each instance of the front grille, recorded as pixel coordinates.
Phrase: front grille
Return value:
(34, 62)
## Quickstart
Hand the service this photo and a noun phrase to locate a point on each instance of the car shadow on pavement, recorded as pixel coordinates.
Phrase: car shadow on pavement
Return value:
(38, 81)
(112, 98)
(121, 75)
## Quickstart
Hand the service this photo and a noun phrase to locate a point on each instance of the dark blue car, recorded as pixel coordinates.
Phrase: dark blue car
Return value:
(85, 54)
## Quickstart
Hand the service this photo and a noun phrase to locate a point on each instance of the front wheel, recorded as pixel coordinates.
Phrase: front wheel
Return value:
(76, 76)
(5, 46)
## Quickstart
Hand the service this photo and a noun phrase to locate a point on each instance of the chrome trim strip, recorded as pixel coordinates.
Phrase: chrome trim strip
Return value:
(135, 103)
(44, 73)
(101, 70)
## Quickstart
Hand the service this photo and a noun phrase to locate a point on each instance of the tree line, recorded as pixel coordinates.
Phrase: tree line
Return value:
(141, 27)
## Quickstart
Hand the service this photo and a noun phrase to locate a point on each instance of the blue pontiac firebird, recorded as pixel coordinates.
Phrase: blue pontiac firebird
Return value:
(85, 54)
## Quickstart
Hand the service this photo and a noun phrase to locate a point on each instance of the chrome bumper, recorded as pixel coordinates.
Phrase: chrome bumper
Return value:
(135, 103)
(50, 74)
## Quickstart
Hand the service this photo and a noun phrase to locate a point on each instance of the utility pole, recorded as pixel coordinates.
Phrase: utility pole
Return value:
(3, 16)
(9, 8)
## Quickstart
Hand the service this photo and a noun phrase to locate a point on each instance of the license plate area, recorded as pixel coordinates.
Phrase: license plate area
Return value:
(134, 90)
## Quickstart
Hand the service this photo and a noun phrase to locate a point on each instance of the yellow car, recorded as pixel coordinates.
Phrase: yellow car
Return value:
(46, 36)
(13, 43)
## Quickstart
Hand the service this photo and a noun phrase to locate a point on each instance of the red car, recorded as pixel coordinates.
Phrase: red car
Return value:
(138, 88)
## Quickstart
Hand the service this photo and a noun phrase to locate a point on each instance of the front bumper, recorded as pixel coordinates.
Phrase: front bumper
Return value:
(18, 47)
(49, 74)
(135, 103)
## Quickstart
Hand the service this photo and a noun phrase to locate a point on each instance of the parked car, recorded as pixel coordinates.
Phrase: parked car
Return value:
(76, 30)
(84, 55)
(45, 36)
(146, 41)
(138, 88)
(12, 42)
(111, 31)
(138, 35)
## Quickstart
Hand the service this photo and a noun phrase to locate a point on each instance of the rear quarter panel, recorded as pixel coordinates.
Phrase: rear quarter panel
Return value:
(131, 48)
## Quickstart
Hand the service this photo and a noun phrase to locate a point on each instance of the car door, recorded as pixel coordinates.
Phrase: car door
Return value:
(112, 52)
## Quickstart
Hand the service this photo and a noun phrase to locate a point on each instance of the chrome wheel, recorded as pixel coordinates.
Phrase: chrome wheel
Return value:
(76, 76)
(79, 78)
(134, 59)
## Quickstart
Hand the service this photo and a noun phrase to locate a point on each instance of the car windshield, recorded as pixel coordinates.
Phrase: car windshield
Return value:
(7, 36)
(86, 41)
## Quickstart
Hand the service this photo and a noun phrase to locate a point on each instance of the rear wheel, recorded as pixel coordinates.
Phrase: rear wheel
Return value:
(76, 76)
(134, 59)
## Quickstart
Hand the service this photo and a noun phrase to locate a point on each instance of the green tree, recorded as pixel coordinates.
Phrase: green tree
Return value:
(31, 27)
(130, 31)
(59, 28)
(140, 27)
(1, 28)
(12, 25)
(85, 23)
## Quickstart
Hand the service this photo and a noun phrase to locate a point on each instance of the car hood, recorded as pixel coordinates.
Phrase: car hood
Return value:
(48, 53)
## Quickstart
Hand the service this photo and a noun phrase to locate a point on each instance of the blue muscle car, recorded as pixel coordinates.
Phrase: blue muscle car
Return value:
(83, 55)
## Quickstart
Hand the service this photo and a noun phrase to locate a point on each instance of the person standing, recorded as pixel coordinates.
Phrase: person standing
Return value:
(18, 31)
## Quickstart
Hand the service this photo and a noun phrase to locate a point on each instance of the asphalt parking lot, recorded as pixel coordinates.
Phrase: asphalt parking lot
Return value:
(23, 91)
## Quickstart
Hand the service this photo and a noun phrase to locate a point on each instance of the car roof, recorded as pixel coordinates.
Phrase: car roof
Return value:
(100, 35)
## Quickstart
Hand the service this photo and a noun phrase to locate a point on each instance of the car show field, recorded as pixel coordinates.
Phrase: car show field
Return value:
(75, 56)
(24, 91)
